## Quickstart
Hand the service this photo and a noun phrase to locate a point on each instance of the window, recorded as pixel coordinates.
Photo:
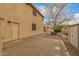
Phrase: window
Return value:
(33, 27)
(34, 12)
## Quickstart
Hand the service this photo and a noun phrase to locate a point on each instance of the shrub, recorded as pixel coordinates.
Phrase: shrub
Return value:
(57, 28)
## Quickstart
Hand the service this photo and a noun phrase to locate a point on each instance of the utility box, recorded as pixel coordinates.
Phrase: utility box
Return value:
(74, 35)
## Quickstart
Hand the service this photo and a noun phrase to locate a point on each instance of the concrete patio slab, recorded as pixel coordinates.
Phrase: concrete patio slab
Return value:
(35, 46)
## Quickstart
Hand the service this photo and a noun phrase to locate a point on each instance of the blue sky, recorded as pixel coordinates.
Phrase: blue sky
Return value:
(74, 7)
(40, 4)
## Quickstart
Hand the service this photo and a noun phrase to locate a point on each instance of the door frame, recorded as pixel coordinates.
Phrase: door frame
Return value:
(18, 29)
(11, 22)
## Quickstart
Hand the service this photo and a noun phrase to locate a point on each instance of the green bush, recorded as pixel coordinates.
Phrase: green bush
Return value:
(57, 28)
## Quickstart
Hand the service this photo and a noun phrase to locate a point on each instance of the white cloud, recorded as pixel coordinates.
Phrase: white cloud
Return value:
(76, 21)
(76, 15)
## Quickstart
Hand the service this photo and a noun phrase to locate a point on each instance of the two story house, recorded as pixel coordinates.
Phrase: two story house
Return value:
(19, 21)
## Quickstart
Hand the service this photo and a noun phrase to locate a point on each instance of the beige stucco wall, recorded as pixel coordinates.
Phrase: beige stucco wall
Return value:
(0, 40)
(22, 14)
(73, 36)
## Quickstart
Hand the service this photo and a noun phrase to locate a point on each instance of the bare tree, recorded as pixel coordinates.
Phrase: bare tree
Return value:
(58, 12)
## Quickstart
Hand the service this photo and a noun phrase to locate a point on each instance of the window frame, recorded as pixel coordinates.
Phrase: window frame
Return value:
(33, 27)
(34, 12)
